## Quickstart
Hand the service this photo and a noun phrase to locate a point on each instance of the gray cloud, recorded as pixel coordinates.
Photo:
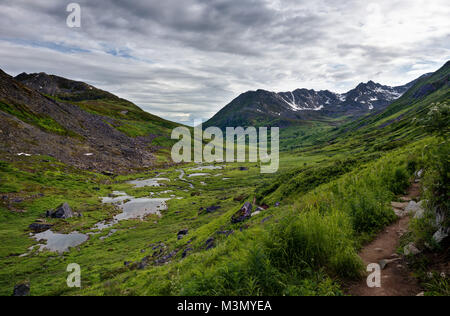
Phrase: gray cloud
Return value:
(184, 60)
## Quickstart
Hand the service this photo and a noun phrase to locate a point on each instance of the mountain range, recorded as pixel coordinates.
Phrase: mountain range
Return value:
(287, 108)
(81, 125)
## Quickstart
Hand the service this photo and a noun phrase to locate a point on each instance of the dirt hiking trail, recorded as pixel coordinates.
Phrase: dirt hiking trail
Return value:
(396, 279)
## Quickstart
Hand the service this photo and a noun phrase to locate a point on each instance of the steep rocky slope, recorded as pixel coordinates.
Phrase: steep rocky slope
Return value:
(45, 123)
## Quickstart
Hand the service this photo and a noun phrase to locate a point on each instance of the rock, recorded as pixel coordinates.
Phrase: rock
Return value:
(143, 263)
(39, 228)
(415, 209)
(256, 213)
(277, 204)
(182, 233)
(411, 249)
(243, 214)
(419, 174)
(22, 290)
(62, 211)
(378, 250)
(243, 169)
(266, 219)
(225, 232)
(383, 264)
(209, 243)
(399, 205)
(441, 234)
(400, 213)
(166, 258)
(212, 209)
(186, 252)
(421, 294)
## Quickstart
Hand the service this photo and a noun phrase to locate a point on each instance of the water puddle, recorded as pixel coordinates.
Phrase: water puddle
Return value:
(60, 242)
(201, 168)
(148, 182)
(132, 208)
(198, 175)
(141, 207)
(181, 177)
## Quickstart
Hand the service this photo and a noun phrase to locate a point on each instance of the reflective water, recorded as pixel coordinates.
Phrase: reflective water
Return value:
(141, 207)
(201, 168)
(154, 182)
(60, 242)
(198, 175)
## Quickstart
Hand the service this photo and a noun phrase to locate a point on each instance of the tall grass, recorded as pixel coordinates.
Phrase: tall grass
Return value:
(315, 244)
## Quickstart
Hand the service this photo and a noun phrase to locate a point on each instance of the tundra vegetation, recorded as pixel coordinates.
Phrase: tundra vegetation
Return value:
(331, 196)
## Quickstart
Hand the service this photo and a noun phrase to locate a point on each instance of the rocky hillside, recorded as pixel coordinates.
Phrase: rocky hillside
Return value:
(286, 108)
(76, 124)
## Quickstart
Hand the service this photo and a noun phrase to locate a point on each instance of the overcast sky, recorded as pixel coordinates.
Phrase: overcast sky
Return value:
(186, 59)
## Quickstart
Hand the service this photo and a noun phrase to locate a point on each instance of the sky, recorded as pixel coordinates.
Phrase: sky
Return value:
(184, 60)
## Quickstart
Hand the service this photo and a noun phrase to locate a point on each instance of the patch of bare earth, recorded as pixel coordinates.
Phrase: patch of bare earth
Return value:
(396, 278)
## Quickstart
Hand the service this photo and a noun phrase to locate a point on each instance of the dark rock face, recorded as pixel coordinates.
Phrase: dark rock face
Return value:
(212, 209)
(266, 219)
(243, 214)
(209, 243)
(225, 232)
(186, 252)
(166, 258)
(62, 211)
(182, 233)
(81, 131)
(22, 290)
(39, 227)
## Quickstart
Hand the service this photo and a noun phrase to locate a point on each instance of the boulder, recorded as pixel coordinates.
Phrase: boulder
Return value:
(182, 233)
(243, 214)
(212, 209)
(416, 209)
(186, 252)
(39, 227)
(209, 243)
(21, 290)
(62, 211)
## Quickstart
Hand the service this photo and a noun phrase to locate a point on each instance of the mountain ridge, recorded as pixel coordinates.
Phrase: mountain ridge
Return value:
(77, 124)
(286, 108)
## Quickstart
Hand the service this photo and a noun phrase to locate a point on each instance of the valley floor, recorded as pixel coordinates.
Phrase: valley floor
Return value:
(303, 240)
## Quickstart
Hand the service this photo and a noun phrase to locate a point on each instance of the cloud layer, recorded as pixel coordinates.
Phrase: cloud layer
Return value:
(184, 60)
